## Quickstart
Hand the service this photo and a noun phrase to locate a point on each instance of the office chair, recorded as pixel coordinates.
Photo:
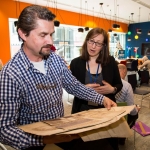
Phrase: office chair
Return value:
(132, 65)
(144, 93)
(144, 76)
(124, 62)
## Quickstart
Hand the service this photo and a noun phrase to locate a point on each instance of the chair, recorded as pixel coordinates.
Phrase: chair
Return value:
(144, 76)
(132, 65)
(124, 62)
(144, 93)
(132, 80)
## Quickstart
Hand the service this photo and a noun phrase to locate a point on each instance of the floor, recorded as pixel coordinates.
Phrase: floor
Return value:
(144, 116)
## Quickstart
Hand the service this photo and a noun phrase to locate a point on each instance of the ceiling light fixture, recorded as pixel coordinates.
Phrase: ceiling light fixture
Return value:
(80, 30)
(110, 30)
(86, 15)
(129, 32)
(115, 34)
(80, 18)
(129, 39)
(148, 20)
(15, 23)
(139, 31)
(118, 26)
(132, 17)
(86, 28)
(115, 25)
(56, 22)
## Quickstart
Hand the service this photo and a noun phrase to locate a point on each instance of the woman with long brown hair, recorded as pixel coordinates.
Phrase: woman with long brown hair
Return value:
(96, 69)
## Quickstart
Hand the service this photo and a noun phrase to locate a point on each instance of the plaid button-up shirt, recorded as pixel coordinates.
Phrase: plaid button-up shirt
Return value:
(27, 96)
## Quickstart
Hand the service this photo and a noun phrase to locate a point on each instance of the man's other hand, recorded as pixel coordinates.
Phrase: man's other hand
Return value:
(109, 103)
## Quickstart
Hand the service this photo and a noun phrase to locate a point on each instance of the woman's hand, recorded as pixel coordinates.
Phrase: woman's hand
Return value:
(105, 89)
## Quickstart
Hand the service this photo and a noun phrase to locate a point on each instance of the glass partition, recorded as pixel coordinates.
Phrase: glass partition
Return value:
(67, 40)
(113, 41)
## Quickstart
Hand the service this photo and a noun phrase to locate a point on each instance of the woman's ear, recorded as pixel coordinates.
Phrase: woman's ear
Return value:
(22, 34)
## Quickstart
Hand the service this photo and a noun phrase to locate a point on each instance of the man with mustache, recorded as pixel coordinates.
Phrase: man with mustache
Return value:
(32, 82)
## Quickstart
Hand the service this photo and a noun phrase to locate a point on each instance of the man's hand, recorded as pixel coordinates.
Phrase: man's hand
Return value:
(59, 138)
(109, 103)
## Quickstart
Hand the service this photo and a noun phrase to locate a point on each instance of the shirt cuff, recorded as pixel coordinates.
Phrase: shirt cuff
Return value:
(36, 140)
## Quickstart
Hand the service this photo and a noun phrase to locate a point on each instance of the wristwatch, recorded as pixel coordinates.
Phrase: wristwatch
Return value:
(115, 90)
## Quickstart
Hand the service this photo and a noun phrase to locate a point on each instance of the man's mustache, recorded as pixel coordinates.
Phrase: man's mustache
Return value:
(46, 46)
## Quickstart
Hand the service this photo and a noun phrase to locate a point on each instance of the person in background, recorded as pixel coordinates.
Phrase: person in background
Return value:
(145, 64)
(126, 95)
(96, 69)
(32, 82)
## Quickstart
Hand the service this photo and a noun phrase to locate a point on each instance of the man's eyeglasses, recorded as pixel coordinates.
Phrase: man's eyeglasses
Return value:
(90, 41)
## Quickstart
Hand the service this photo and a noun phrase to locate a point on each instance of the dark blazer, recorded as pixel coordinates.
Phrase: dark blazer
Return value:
(110, 74)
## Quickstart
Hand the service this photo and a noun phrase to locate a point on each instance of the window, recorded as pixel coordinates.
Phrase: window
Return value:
(113, 42)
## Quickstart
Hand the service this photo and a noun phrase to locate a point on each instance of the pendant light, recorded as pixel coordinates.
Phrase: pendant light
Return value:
(110, 30)
(80, 29)
(148, 20)
(129, 32)
(139, 31)
(115, 34)
(118, 26)
(115, 24)
(56, 22)
(101, 8)
(15, 22)
(136, 36)
(86, 28)
(129, 39)
(80, 18)
(86, 15)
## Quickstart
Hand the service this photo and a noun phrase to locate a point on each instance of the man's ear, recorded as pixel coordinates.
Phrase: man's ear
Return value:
(22, 34)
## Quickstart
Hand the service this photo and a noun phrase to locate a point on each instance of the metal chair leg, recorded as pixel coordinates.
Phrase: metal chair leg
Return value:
(134, 140)
(142, 102)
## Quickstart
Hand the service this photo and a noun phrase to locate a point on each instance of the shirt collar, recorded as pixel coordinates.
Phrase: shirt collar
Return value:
(27, 62)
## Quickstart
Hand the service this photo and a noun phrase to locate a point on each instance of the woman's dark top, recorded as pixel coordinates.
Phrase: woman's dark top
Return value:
(110, 74)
